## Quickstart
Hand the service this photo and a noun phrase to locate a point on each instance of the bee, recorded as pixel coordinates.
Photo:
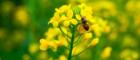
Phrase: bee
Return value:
(83, 27)
(84, 23)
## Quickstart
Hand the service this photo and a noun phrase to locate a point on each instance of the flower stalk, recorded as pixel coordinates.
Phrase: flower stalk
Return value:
(72, 42)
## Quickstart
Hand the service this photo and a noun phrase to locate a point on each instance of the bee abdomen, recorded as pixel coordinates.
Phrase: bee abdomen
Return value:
(86, 27)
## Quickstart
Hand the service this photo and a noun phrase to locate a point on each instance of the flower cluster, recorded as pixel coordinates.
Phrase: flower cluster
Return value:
(76, 25)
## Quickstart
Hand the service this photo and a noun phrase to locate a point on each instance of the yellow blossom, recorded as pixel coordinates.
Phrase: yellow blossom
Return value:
(55, 31)
(43, 44)
(97, 29)
(62, 18)
(78, 17)
(107, 29)
(62, 57)
(76, 50)
(87, 12)
(53, 45)
(94, 42)
(87, 36)
(69, 13)
(74, 21)
(62, 41)
(55, 24)
(66, 23)
(53, 20)
(33, 48)
(106, 52)
(61, 14)
(21, 15)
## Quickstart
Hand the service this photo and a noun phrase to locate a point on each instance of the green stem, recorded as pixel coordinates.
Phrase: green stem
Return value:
(71, 43)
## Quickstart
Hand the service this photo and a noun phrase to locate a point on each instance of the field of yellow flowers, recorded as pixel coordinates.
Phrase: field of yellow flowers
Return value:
(69, 29)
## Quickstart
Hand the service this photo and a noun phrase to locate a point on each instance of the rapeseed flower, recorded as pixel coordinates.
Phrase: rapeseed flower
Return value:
(74, 27)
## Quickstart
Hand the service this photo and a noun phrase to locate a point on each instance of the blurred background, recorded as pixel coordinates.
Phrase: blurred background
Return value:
(24, 22)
